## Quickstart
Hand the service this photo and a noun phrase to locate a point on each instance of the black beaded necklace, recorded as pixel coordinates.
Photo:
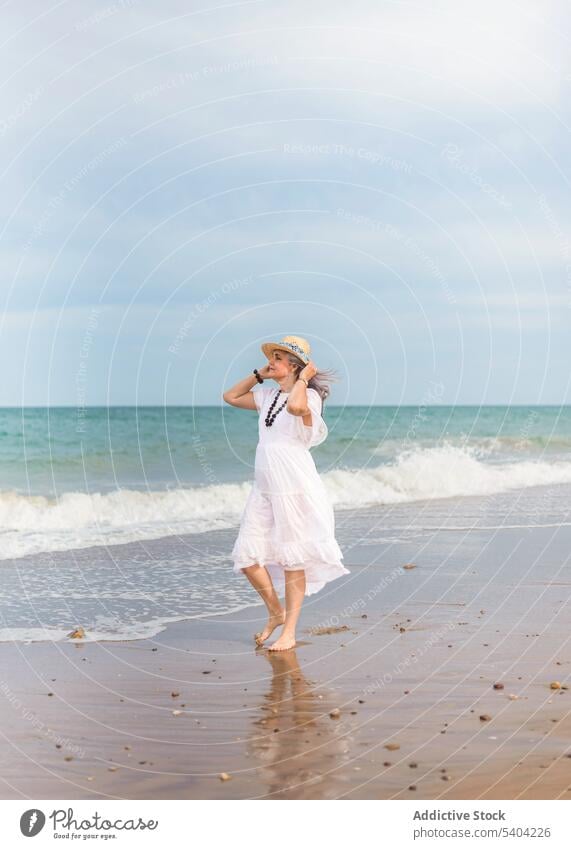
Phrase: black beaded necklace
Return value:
(270, 415)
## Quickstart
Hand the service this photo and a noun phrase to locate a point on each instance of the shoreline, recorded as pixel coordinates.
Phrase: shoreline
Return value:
(109, 570)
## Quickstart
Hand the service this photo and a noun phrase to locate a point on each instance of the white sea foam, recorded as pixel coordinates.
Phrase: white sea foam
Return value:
(32, 524)
(439, 472)
(113, 629)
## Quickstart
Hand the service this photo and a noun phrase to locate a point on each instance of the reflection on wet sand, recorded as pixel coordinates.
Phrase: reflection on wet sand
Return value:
(297, 747)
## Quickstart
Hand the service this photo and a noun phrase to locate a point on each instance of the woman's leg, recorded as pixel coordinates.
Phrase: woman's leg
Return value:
(294, 595)
(260, 579)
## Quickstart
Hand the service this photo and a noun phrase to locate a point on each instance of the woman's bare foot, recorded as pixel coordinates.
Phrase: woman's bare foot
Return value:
(283, 642)
(272, 623)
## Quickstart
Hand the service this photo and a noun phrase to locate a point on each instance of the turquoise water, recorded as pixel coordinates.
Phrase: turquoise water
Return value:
(50, 451)
(71, 479)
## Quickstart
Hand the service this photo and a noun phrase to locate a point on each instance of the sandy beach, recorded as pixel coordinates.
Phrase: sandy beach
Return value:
(389, 694)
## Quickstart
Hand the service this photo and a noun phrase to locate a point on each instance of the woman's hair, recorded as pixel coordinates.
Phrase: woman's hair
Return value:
(320, 381)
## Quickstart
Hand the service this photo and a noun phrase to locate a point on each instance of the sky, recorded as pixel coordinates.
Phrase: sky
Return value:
(182, 182)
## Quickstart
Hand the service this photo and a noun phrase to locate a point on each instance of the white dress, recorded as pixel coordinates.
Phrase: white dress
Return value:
(288, 521)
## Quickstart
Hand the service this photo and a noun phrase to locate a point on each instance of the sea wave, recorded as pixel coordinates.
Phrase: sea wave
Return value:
(440, 472)
(486, 446)
(33, 524)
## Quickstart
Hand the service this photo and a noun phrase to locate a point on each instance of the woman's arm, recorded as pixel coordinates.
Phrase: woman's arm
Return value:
(297, 401)
(240, 395)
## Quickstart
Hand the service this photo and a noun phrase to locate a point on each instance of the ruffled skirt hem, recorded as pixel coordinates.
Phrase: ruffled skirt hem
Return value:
(321, 561)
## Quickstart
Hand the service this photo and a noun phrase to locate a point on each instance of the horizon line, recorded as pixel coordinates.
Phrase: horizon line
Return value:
(222, 406)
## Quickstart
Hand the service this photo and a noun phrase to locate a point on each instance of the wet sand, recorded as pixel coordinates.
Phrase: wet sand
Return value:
(405, 660)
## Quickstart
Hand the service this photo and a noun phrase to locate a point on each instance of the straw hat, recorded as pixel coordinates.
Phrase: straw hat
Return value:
(292, 344)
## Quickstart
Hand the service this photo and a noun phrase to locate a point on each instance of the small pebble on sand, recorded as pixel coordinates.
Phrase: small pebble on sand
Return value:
(224, 776)
(555, 685)
(485, 717)
(335, 713)
(392, 747)
(498, 686)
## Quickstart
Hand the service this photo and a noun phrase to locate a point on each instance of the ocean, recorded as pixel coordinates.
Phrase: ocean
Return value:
(85, 481)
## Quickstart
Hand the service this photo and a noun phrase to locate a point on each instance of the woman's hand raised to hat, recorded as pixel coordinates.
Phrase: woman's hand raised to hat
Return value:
(265, 371)
(309, 371)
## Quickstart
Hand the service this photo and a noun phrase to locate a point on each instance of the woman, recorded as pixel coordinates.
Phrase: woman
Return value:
(287, 529)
